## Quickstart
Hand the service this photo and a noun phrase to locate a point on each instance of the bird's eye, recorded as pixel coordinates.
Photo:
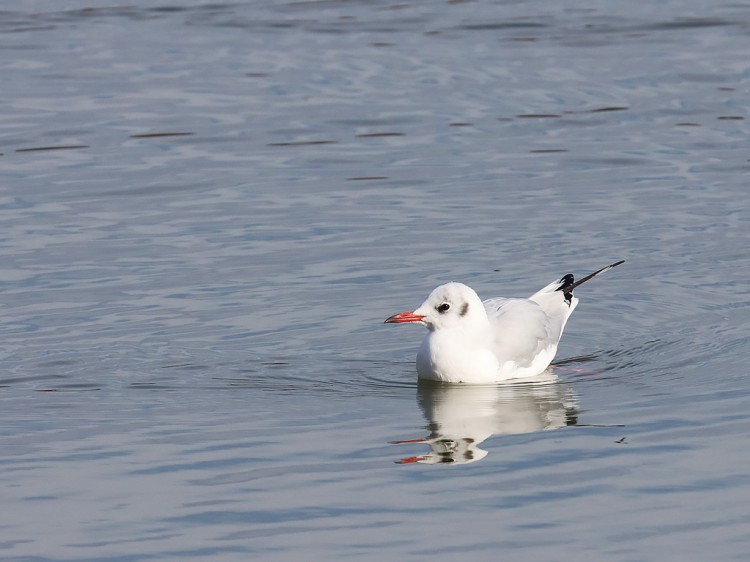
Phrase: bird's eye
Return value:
(443, 307)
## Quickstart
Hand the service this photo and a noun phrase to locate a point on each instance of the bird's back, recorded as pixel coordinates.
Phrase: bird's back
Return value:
(521, 330)
(526, 331)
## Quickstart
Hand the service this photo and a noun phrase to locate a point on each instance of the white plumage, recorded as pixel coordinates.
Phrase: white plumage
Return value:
(471, 341)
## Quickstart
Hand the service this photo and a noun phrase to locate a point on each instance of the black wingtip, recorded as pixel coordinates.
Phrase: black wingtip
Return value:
(567, 284)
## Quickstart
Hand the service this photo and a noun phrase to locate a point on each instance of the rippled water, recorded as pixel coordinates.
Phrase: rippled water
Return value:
(209, 209)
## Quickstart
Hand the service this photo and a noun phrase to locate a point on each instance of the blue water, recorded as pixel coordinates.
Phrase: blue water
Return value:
(208, 210)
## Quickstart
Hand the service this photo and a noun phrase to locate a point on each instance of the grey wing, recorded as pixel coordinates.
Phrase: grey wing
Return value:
(521, 329)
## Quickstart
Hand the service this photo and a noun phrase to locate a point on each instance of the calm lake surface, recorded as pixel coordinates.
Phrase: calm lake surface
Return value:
(208, 210)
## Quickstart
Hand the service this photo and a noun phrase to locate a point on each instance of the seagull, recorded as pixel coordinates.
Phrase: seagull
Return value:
(482, 342)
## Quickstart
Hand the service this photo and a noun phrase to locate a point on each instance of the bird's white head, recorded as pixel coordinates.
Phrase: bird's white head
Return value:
(453, 305)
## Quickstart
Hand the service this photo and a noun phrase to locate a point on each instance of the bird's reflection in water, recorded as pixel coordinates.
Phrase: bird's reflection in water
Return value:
(462, 416)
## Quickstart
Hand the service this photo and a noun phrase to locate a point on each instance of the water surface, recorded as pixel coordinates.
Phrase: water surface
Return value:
(209, 209)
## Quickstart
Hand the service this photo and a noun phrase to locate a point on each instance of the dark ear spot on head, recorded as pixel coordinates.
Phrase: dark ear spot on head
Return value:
(464, 309)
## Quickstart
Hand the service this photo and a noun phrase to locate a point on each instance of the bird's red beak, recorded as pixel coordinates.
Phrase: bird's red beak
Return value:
(403, 317)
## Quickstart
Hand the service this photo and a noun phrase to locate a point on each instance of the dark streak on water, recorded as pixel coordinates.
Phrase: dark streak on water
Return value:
(158, 135)
(48, 148)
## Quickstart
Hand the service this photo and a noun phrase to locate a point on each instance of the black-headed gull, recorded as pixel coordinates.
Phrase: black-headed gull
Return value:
(471, 341)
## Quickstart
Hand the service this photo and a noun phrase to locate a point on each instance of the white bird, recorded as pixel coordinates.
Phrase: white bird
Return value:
(470, 341)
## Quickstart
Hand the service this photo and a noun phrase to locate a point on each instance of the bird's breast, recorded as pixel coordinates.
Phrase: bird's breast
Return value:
(455, 358)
